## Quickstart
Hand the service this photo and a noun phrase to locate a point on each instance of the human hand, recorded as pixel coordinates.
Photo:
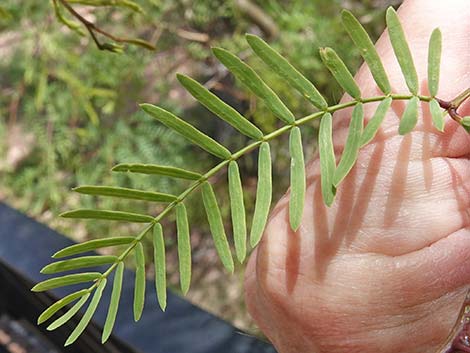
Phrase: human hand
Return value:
(386, 268)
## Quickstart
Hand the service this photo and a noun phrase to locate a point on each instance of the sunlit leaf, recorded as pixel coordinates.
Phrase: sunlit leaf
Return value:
(160, 266)
(437, 115)
(327, 159)
(107, 215)
(216, 226)
(156, 170)
(283, 68)
(410, 116)
(86, 318)
(66, 281)
(263, 194)
(139, 287)
(125, 193)
(402, 51)
(340, 72)
(92, 245)
(69, 314)
(297, 176)
(184, 247)
(374, 123)
(434, 61)
(220, 108)
(251, 79)
(367, 50)
(114, 303)
(352, 145)
(77, 263)
(51, 310)
(237, 208)
(187, 131)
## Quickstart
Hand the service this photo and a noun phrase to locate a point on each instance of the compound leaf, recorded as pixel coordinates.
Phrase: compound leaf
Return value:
(237, 208)
(139, 288)
(327, 159)
(157, 170)
(113, 303)
(263, 194)
(107, 215)
(367, 50)
(297, 175)
(410, 117)
(434, 61)
(184, 247)
(251, 79)
(160, 266)
(125, 193)
(80, 262)
(187, 131)
(282, 67)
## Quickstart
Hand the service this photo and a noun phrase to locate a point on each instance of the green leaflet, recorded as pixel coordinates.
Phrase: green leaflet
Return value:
(437, 115)
(139, 288)
(263, 195)
(217, 227)
(186, 130)
(327, 159)
(220, 108)
(237, 208)
(124, 193)
(374, 123)
(434, 61)
(367, 50)
(352, 145)
(410, 116)
(465, 122)
(283, 68)
(402, 51)
(251, 79)
(69, 314)
(66, 281)
(80, 262)
(114, 303)
(184, 247)
(160, 266)
(92, 245)
(88, 313)
(107, 215)
(340, 72)
(51, 310)
(297, 177)
(157, 170)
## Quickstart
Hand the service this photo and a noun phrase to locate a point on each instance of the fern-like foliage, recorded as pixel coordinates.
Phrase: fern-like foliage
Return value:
(332, 174)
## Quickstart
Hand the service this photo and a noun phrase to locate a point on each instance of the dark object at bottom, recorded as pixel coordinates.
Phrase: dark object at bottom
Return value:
(26, 246)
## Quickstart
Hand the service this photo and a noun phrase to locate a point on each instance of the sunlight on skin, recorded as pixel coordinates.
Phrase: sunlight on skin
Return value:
(387, 267)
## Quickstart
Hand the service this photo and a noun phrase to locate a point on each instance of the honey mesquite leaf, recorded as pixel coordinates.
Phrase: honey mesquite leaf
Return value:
(374, 123)
(154, 169)
(216, 226)
(340, 72)
(113, 303)
(351, 148)
(77, 263)
(327, 159)
(282, 67)
(367, 50)
(219, 107)
(66, 281)
(437, 115)
(237, 208)
(86, 318)
(92, 245)
(186, 130)
(51, 310)
(125, 193)
(297, 177)
(139, 287)
(184, 247)
(160, 265)
(251, 79)
(263, 194)
(107, 215)
(402, 50)
(69, 314)
(434, 61)
(410, 117)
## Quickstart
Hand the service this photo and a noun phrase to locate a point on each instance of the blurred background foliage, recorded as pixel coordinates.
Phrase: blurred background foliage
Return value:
(68, 111)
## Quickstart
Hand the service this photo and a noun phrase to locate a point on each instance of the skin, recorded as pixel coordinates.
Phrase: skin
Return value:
(386, 268)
